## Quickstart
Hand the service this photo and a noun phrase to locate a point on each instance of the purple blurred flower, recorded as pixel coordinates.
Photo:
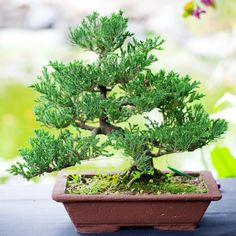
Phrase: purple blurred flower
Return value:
(197, 12)
(208, 3)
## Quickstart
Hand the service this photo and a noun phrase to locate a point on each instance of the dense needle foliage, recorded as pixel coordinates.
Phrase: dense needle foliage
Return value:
(98, 96)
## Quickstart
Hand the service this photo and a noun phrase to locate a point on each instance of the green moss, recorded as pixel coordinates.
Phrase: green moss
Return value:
(116, 184)
(3, 179)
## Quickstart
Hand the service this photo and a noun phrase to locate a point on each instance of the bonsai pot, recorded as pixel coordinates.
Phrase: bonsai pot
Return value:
(107, 213)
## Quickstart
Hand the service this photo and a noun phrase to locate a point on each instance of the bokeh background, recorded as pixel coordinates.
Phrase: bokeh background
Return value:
(32, 32)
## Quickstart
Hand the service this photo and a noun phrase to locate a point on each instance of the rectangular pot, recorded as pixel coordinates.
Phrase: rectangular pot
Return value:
(107, 213)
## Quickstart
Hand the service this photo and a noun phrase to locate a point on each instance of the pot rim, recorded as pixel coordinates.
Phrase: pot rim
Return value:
(213, 194)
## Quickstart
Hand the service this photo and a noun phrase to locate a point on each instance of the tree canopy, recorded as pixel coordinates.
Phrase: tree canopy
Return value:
(98, 96)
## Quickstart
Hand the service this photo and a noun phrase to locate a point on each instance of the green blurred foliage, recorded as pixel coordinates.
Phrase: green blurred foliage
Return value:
(3, 179)
(224, 162)
(16, 118)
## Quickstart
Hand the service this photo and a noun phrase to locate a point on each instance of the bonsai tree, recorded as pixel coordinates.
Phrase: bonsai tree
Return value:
(99, 97)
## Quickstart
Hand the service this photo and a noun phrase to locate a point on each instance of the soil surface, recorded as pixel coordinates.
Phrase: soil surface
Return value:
(116, 184)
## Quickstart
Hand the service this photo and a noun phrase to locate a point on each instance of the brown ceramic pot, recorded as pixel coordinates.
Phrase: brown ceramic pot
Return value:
(107, 213)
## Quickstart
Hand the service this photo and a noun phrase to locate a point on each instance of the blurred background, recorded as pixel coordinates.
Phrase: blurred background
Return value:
(32, 32)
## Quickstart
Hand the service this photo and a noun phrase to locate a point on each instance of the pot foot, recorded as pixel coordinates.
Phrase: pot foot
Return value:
(97, 228)
(175, 226)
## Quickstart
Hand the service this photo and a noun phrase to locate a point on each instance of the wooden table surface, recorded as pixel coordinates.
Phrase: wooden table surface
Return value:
(27, 210)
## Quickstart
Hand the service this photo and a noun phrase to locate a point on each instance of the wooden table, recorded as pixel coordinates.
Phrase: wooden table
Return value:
(27, 210)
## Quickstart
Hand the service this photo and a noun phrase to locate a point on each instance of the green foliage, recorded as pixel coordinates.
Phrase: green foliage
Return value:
(75, 95)
(224, 162)
(101, 34)
(134, 142)
(169, 92)
(53, 116)
(195, 130)
(49, 153)
(125, 65)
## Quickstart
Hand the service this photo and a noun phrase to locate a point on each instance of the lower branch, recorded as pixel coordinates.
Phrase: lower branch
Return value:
(82, 125)
(159, 154)
(104, 128)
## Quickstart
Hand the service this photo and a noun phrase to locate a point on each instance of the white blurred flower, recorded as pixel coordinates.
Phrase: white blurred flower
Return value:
(228, 113)
(229, 98)
(155, 116)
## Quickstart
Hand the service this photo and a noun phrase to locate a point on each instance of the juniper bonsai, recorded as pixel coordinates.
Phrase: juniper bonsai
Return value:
(98, 97)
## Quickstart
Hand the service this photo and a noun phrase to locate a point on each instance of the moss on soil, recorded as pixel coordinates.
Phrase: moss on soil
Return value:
(115, 184)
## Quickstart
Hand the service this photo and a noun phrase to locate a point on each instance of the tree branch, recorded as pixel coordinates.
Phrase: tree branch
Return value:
(82, 125)
(98, 90)
(158, 154)
(126, 103)
(103, 91)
